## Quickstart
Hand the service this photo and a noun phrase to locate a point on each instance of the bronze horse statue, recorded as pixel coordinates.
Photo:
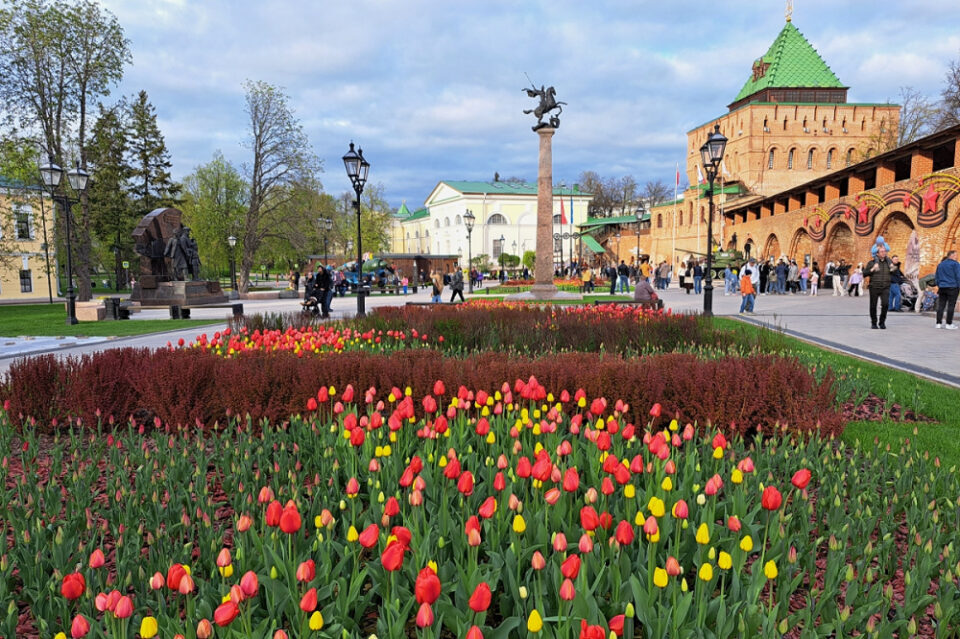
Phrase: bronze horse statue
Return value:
(548, 104)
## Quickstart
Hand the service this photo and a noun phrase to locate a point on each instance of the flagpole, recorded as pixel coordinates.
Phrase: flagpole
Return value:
(673, 248)
(699, 215)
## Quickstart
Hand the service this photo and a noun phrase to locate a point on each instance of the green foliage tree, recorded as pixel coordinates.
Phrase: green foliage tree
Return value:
(529, 259)
(213, 206)
(510, 261)
(151, 185)
(56, 59)
(481, 261)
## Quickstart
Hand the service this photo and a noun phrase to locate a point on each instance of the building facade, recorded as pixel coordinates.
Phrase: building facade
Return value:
(505, 220)
(26, 236)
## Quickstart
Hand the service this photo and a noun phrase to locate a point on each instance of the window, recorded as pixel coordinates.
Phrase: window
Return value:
(436, 223)
(681, 219)
(849, 157)
(830, 159)
(790, 159)
(23, 225)
(26, 282)
(498, 248)
(770, 160)
(810, 159)
(784, 124)
(659, 220)
(457, 221)
(496, 218)
(446, 221)
(702, 218)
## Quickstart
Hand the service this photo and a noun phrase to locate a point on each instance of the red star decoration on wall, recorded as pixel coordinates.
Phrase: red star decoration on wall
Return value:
(930, 200)
(908, 200)
(862, 211)
(817, 222)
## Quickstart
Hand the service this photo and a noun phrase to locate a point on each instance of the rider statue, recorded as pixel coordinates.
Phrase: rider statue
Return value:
(548, 104)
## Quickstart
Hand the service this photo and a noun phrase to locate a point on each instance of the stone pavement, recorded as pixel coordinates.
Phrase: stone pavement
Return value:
(840, 323)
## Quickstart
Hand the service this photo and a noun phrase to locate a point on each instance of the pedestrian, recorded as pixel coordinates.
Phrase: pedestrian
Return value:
(456, 285)
(855, 281)
(586, 280)
(793, 277)
(646, 269)
(623, 273)
(878, 270)
(814, 281)
(323, 287)
(764, 277)
(804, 278)
(697, 278)
(948, 288)
(747, 293)
(404, 282)
(754, 275)
(728, 281)
(437, 282)
(896, 279)
(612, 276)
(837, 280)
(687, 281)
(782, 270)
(844, 272)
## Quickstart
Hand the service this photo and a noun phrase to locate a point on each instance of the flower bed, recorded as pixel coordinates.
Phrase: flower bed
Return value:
(497, 511)
(192, 386)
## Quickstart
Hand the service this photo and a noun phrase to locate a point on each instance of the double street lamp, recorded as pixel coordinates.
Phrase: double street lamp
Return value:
(79, 179)
(468, 220)
(357, 170)
(232, 242)
(503, 246)
(711, 153)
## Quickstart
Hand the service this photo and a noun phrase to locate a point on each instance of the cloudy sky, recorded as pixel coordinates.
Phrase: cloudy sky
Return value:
(431, 89)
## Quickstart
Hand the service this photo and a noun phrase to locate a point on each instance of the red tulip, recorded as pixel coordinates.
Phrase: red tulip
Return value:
(589, 518)
(616, 625)
(73, 586)
(392, 557)
(124, 607)
(655, 410)
(488, 508)
(308, 603)
(719, 441)
(97, 559)
(571, 480)
(370, 535)
(474, 633)
(80, 627)
(733, 523)
(175, 573)
(439, 388)
(771, 498)
(427, 587)
(290, 520)
(311, 404)
(597, 406)
(570, 567)
(249, 583)
(465, 484)
(673, 567)
(392, 508)
(403, 535)
(624, 533)
(424, 616)
(306, 571)
(801, 478)
(681, 510)
(480, 599)
(274, 510)
(567, 591)
(225, 613)
(591, 632)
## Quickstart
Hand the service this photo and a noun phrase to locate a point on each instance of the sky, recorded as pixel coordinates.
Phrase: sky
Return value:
(432, 89)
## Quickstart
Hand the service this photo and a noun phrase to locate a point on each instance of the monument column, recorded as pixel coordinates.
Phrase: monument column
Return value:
(543, 268)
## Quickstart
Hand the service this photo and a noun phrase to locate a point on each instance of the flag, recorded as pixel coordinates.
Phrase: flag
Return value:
(678, 175)
(700, 179)
(563, 213)
(723, 165)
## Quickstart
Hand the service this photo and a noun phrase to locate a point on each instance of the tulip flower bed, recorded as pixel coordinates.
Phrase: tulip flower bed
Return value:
(490, 511)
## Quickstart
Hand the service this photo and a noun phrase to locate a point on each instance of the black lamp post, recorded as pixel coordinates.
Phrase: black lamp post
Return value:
(326, 225)
(639, 214)
(79, 179)
(711, 153)
(468, 219)
(503, 245)
(232, 242)
(357, 170)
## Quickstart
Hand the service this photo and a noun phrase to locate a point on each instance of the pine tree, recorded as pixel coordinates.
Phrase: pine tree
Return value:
(151, 185)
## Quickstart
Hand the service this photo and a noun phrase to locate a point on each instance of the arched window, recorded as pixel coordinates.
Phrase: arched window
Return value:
(830, 159)
(659, 220)
(810, 159)
(784, 124)
(790, 159)
(457, 221)
(557, 219)
(702, 218)
(436, 223)
(849, 157)
(681, 219)
(770, 159)
(496, 218)
(446, 221)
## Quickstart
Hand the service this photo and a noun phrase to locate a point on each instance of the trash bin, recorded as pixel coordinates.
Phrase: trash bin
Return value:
(112, 308)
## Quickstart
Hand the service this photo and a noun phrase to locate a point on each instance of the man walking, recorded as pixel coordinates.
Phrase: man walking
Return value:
(896, 279)
(948, 287)
(878, 270)
(623, 271)
(456, 285)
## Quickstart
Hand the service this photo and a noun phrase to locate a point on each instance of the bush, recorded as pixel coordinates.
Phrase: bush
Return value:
(187, 386)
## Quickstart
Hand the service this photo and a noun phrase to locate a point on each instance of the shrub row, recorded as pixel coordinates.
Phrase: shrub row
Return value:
(187, 386)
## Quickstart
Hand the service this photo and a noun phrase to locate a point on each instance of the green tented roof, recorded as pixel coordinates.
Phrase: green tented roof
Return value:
(592, 244)
(506, 188)
(403, 212)
(606, 221)
(793, 62)
(417, 215)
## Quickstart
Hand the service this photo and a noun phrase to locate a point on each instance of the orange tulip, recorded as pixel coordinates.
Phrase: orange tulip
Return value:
(204, 629)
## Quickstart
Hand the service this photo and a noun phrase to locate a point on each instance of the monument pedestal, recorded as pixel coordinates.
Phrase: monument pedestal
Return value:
(176, 293)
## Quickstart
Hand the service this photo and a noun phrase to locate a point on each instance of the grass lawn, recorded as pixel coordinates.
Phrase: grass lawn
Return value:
(923, 396)
(50, 320)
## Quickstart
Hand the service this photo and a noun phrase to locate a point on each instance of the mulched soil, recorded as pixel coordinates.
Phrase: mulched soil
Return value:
(876, 409)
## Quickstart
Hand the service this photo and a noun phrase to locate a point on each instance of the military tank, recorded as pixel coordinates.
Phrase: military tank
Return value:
(721, 260)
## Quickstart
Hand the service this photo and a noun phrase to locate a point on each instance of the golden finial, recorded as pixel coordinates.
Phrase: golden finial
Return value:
(789, 10)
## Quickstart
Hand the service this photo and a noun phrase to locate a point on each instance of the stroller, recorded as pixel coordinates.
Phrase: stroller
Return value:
(310, 304)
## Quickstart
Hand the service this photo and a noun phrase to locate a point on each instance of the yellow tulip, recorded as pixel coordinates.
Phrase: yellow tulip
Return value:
(718, 453)
(724, 561)
(706, 572)
(148, 627)
(519, 525)
(667, 484)
(659, 577)
(770, 569)
(629, 491)
(736, 476)
(60, 635)
(656, 507)
(703, 535)
(225, 571)
(352, 534)
(746, 544)
(534, 622)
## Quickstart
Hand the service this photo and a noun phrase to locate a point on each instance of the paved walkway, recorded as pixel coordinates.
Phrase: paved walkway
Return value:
(840, 323)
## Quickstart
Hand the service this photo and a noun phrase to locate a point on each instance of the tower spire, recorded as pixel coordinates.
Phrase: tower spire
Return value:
(789, 13)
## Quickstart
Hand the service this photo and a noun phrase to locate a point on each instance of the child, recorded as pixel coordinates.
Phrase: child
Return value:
(747, 292)
(404, 282)
(880, 242)
(814, 281)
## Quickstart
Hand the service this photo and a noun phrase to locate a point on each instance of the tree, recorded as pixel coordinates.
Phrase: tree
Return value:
(655, 192)
(281, 158)
(918, 117)
(529, 259)
(56, 58)
(626, 190)
(151, 185)
(949, 108)
(215, 198)
(111, 214)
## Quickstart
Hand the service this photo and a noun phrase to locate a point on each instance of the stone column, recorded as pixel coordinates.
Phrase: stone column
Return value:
(543, 271)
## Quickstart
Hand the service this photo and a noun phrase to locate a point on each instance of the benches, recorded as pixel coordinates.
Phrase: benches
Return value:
(651, 304)
(183, 312)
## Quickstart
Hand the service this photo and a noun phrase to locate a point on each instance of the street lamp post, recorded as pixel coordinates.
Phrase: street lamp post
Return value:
(52, 176)
(357, 170)
(232, 242)
(468, 220)
(326, 225)
(712, 154)
(503, 245)
(641, 211)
